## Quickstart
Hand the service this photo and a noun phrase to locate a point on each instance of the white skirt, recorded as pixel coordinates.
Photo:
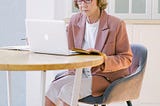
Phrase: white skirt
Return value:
(61, 89)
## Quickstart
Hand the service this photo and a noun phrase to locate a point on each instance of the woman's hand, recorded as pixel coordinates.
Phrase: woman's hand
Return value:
(92, 49)
(102, 54)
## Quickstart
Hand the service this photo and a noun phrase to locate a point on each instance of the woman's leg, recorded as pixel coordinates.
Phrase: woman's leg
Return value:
(65, 104)
(52, 98)
(62, 103)
(66, 91)
(48, 102)
(61, 90)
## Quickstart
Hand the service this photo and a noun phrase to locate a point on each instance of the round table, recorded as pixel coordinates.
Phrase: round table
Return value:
(19, 60)
(16, 60)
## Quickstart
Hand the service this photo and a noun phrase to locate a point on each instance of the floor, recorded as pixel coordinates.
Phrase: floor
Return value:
(123, 104)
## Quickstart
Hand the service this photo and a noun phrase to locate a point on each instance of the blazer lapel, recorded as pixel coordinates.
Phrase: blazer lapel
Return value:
(101, 35)
(80, 31)
(103, 32)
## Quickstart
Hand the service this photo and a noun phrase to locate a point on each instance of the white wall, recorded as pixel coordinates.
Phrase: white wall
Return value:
(62, 9)
(47, 9)
(12, 31)
(42, 9)
(148, 35)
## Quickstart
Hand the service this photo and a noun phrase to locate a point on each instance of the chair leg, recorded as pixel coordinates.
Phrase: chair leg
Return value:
(101, 105)
(129, 103)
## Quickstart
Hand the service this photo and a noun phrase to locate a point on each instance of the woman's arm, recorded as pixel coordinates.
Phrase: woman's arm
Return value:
(123, 54)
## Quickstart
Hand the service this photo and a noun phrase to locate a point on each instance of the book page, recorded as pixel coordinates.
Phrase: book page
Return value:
(82, 51)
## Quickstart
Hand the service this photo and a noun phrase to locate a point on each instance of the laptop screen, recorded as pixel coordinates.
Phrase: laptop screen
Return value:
(47, 36)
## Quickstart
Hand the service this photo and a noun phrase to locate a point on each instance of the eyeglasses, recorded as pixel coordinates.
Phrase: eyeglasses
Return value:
(86, 1)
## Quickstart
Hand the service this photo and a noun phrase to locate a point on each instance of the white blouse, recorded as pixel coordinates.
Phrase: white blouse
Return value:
(90, 35)
(89, 41)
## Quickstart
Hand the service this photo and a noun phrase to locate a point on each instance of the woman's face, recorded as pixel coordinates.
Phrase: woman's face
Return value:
(89, 7)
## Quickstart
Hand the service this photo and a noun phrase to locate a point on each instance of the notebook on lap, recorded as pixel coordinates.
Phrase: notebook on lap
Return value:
(48, 36)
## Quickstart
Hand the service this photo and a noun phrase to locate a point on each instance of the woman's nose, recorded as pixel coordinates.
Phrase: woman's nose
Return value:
(83, 3)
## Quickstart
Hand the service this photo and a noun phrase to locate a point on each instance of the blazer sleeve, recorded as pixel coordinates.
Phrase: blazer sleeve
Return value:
(123, 54)
(70, 34)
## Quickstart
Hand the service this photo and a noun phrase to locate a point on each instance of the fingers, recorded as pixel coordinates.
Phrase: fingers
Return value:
(104, 56)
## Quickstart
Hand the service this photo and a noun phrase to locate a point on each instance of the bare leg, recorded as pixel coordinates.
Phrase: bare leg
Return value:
(48, 102)
(63, 103)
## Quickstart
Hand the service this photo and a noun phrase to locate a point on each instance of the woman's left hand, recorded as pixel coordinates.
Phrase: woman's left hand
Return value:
(103, 54)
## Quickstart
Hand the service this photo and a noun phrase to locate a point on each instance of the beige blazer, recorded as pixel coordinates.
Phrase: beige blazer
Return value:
(112, 40)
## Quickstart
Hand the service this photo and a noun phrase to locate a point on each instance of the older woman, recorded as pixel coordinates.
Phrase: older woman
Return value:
(93, 28)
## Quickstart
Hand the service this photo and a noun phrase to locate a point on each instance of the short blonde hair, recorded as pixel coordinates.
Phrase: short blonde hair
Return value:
(102, 4)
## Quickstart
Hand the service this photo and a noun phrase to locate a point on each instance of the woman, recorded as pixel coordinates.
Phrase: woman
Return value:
(93, 28)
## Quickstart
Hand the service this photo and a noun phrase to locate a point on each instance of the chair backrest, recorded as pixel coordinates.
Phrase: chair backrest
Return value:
(128, 88)
(139, 58)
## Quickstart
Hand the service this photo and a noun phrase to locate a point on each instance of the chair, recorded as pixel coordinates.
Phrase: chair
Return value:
(127, 88)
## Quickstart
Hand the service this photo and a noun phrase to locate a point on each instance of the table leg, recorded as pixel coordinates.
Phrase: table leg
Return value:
(43, 85)
(9, 96)
(76, 87)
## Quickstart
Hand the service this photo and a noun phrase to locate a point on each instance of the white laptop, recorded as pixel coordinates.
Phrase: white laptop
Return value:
(47, 36)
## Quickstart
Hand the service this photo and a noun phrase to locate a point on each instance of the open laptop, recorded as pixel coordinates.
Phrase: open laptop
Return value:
(48, 36)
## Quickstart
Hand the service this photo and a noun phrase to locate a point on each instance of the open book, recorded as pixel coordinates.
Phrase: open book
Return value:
(88, 52)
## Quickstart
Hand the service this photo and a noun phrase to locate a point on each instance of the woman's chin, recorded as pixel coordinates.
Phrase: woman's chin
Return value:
(86, 12)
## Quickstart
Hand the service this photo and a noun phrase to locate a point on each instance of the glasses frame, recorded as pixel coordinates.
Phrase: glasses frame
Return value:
(86, 1)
